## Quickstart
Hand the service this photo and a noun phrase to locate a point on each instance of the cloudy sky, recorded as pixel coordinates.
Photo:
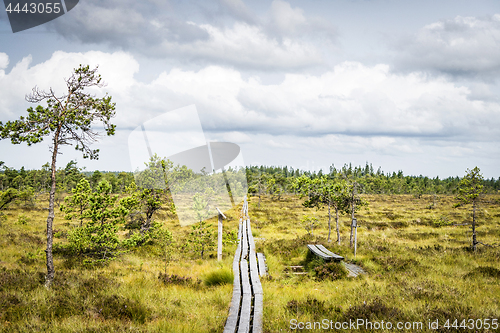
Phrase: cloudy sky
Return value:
(408, 85)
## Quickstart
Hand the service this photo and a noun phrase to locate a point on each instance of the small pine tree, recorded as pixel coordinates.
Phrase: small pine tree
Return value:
(470, 188)
(98, 238)
(309, 222)
(202, 238)
(76, 204)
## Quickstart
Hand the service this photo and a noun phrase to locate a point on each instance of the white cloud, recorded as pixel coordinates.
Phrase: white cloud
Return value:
(463, 45)
(117, 69)
(353, 109)
(286, 18)
(4, 60)
(351, 99)
(248, 46)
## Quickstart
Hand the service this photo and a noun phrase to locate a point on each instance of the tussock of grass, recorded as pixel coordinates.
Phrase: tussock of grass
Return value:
(331, 271)
(313, 306)
(375, 309)
(483, 271)
(218, 277)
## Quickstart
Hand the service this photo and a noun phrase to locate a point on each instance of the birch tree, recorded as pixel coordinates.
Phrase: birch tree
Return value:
(323, 191)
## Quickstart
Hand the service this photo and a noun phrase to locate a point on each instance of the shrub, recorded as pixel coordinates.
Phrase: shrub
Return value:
(309, 223)
(175, 279)
(331, 271)
(119, 307)
(231, 237)
(485, 271)
(312, 306)
(16, 279)
(373, 310)
(202, 238)
(219, 277)
(22, 219)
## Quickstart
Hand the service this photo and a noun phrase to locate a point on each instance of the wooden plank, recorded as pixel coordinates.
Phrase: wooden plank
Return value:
(262, 264)
(237, 254)
(239, 230)
(236, 281)
(246, 309)
(319, 253)
(251, 242)
(254, 274)
(244, 240)
(219, 238)
(234, 309)
(258, 310)
(335, 256)
(245, 280)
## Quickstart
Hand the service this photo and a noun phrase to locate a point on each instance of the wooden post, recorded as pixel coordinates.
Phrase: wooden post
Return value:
(353, 203)
(219, 235)
(355, 225)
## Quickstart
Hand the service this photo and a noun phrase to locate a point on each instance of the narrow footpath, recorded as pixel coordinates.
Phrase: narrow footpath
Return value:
(245, 312)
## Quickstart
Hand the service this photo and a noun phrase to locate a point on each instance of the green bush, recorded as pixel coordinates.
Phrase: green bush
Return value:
(22, 219)
(175, 279)
(219, 277)
(331, 271)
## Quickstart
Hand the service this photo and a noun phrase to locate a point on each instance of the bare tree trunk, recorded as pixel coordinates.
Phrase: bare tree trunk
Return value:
(50, 219)
(352, 213)
(337, 222)
(147, 223)
(329, 223)
(474, 240)
(259, 194)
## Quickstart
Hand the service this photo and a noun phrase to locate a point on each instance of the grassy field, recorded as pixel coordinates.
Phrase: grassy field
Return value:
(124, 296)
(419, 268)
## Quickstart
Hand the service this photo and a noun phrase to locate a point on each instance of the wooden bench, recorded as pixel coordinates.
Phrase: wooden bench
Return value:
(320, 251)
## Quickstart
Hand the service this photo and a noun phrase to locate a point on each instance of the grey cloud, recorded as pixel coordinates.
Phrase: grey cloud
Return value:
(285, 21)
(127, 24)
(164, 30)
(463, 46)
(238, 10)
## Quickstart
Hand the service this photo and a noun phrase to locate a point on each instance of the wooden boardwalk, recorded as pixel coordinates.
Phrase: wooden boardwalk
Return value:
(245, 312)
(354, 270)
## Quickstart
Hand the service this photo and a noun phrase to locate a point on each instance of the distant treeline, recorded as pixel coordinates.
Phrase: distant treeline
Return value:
(66, 178)
(275, 180)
